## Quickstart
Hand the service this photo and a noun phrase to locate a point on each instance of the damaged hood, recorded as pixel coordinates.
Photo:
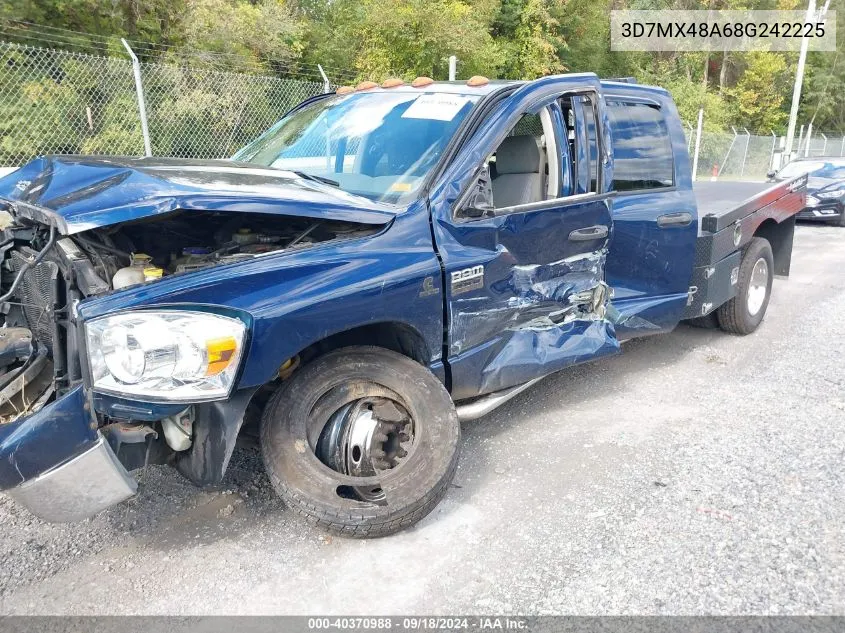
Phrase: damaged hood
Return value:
(78, 193)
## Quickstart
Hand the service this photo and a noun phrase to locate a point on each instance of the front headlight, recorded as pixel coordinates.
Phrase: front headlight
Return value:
(827, 195)
(165, 355)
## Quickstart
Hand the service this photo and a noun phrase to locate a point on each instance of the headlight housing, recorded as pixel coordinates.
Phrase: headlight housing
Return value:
(827, 195)
(165, 355)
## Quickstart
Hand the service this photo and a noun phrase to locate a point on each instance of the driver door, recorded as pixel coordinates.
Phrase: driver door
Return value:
(525, 291)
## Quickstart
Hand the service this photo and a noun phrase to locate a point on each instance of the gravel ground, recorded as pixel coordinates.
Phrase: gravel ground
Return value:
(698, 473)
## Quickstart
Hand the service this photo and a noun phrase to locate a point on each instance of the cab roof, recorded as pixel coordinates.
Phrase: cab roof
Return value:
(625, 85)
(450, 87)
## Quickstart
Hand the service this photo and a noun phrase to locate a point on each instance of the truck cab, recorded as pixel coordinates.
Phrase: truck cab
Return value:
(381, 264)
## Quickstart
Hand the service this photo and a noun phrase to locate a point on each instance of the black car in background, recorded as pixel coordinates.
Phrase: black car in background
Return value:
(825, 187)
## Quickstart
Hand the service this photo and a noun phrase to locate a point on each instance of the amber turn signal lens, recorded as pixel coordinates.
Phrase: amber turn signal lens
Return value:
(220, 353)
(393, 82)
(477, 80)
(422, 82)
(366, 85)
(344, 90)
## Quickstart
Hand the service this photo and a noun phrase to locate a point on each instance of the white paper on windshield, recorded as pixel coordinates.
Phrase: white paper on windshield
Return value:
(438, 107)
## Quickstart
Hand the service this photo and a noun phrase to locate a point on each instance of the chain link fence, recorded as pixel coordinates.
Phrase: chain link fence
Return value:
(56, 101)
(62, 102)
(740, 155)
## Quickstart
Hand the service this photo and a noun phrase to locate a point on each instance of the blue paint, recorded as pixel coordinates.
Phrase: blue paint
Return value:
(78, 193)
(531, 313)
(31, 445)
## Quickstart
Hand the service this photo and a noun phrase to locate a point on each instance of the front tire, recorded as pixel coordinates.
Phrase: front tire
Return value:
(362, 441)
(744, 313)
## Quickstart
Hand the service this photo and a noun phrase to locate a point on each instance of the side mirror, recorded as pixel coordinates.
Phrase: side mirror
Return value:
(479, 201)
(771, 174)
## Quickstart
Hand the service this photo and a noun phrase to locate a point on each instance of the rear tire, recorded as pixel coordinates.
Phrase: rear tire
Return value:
(315, 463)
(744, 313)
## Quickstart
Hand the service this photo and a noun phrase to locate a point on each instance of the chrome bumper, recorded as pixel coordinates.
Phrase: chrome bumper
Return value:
(79, 488)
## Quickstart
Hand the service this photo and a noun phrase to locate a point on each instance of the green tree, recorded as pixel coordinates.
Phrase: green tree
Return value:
(760, 94)
(267, 28)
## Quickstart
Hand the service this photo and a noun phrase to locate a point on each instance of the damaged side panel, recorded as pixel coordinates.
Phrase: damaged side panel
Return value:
(544, 317)
(533, 297)
(525, 281)
(524, 301)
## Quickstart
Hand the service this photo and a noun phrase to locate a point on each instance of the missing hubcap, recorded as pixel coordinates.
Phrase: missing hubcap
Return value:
(363, 439)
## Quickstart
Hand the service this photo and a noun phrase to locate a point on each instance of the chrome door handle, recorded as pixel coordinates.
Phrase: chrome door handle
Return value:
(586, 234)
(674, 219)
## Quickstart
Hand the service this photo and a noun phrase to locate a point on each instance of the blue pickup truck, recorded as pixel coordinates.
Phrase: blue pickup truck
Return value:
(381, 264)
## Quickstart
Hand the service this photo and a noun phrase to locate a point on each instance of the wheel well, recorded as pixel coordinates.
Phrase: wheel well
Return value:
(391, 335)
(779, 237)
(394, 336)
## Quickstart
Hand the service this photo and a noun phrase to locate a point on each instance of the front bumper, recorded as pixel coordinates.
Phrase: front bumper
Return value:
(822, 211)
(55, 463)
(79, 488)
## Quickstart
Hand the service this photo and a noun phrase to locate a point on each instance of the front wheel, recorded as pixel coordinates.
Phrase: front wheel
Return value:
(744, 313)
(363, 441)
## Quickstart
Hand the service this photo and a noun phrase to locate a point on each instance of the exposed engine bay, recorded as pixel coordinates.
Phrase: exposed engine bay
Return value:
(43, 275)
(184, 242)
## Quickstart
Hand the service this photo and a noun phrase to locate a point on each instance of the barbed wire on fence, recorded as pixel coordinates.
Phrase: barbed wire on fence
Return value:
(22, 32)
(737, 154)
(60, 101)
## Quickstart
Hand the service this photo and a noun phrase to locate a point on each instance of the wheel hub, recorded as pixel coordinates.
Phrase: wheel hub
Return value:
(758, 286)
(365, 438)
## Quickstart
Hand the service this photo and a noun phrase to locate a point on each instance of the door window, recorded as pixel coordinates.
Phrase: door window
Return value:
(642, 149)
(524, 168)
(582, 135)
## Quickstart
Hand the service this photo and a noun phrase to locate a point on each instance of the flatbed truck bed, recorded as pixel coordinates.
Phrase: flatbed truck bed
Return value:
(730, 214)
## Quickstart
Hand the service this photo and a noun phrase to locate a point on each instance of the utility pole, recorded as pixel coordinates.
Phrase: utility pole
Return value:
(453, 67)
(799, 75)
(697, 143)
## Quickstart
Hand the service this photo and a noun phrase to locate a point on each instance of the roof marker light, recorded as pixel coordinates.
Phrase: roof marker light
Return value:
(366, 85)
(422, 82)
(393, 82)
(477, 80)
(344, 90)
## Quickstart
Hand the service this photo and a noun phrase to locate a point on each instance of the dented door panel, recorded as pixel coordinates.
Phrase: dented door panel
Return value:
(523, 300)
(525, 291)
(522, 354)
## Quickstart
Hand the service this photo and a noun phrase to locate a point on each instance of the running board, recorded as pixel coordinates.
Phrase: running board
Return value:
(485, 404)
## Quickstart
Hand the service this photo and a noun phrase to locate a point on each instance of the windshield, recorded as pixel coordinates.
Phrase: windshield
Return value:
(380, 145)
(819, 169)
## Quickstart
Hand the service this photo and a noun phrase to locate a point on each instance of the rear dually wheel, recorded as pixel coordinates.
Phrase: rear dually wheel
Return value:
(744, 313)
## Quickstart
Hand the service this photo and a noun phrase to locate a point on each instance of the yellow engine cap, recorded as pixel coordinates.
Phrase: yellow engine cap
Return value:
(153, 272)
